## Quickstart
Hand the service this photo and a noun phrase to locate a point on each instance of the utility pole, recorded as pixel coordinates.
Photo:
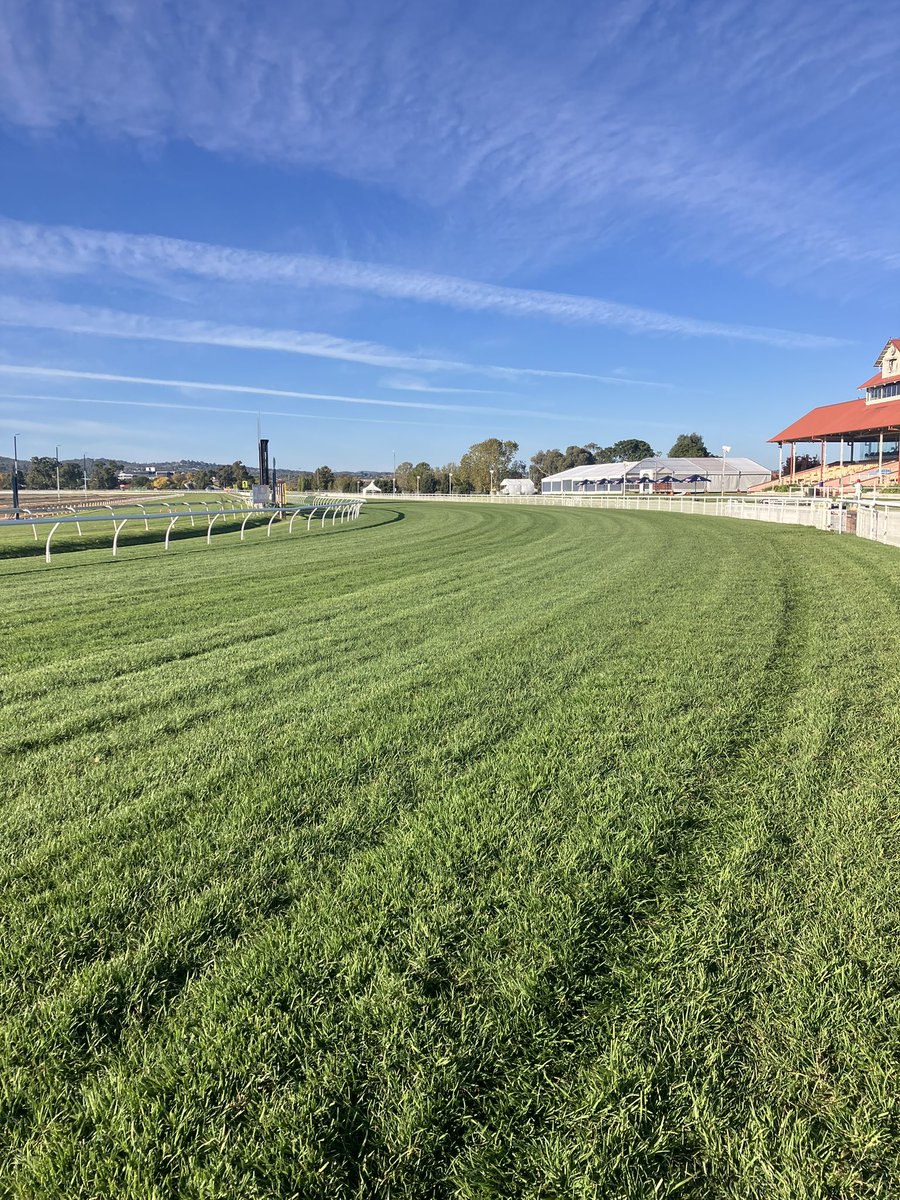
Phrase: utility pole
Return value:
(57, 475)
(84, 471)
(15, 478)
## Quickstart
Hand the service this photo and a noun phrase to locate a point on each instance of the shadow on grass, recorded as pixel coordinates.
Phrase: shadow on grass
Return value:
(63, 547)
(391, 516)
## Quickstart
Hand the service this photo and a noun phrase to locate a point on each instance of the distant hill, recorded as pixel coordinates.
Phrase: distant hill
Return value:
(185, 465)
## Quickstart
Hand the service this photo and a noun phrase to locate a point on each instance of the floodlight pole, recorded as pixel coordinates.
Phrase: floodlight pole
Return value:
(451, 482)
(725, 450)
(57, 475)
(394, 478)
(84, 471)
(492, 481)
(15, 477)
(417, 484)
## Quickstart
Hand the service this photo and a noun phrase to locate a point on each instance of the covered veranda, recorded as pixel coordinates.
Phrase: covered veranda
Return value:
(851, 438)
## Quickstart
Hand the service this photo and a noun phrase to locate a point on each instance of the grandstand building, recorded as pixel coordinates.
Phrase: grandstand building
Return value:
(854, 440)
(660, 475)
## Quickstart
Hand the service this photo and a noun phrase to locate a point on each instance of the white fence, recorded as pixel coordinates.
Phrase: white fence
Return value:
(877, 520)
(335, 508)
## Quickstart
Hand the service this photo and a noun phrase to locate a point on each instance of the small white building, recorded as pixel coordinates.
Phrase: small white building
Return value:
(517, 487)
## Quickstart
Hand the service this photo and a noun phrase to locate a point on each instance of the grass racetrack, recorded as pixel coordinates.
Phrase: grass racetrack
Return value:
(462, 851)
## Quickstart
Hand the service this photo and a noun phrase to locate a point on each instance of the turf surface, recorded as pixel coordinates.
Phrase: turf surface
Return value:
(463, 851)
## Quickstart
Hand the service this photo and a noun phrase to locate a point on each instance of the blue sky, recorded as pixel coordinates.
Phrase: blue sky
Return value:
(404, 227)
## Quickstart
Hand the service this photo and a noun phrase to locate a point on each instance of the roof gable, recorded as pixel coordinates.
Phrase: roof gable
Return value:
(891, 343)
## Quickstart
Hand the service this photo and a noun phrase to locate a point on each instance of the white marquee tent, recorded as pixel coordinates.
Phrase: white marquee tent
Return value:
(681, 474)
(517, 487)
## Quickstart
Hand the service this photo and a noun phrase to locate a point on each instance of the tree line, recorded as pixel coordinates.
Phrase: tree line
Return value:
(494, 460)
(103, 475)
(484, 464)
(549, 462)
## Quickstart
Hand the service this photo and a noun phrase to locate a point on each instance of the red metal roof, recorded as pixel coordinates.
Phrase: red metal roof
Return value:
(876, 380)
(853, 416)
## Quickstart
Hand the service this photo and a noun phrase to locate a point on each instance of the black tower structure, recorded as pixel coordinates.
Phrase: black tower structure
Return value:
(263, 461)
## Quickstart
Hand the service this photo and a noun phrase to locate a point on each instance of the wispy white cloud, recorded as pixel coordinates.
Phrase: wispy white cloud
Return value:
(103, 322)
(30, 372)
(540, 127)
(56, 430)
(64, 250)
(410, 383)
(216, 409)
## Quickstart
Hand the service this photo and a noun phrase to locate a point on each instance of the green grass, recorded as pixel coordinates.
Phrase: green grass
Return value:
(463, 851)
(17, 539)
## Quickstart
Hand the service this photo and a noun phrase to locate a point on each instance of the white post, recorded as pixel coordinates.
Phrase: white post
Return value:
(780, 461)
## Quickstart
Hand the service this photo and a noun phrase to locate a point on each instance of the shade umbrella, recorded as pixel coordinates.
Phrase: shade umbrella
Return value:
(695, 479)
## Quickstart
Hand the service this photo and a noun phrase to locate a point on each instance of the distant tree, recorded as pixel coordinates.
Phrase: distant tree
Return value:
(161, 482)
(476, 464)
(104, 475)
(71, 475)
(689, 445)
(323, 479)
(405, 477)
(545, 462)
(345, 483)
(232, 474)
(201, 478)
(140, 482)
(424, 478)
(443, 474)
(631, 450)
(41, 472)
(577, 456)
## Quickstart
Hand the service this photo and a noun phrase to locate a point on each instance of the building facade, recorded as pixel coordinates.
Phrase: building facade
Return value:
(861, 435)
